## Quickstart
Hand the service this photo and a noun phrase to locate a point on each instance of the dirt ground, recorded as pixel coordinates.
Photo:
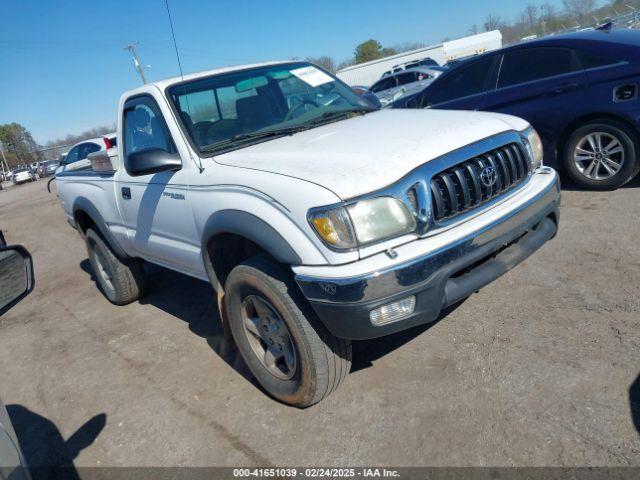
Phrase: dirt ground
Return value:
(539, 368)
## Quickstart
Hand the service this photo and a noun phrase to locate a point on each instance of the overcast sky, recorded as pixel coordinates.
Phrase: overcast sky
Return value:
(63, 67)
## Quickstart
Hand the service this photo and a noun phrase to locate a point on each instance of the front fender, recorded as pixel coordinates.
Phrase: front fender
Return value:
(253, 228)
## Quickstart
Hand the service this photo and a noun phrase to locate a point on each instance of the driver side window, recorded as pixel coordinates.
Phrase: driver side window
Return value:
(144, 128)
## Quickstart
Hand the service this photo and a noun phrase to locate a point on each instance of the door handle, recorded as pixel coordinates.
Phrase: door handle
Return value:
(126, 193)
(565, 87)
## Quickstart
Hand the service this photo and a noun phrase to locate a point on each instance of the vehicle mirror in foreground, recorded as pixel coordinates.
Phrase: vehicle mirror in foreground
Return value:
(370, 100)
(150, 161)
(16, 276)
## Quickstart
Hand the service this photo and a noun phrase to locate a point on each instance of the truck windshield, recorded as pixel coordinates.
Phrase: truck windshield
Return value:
(231, 110)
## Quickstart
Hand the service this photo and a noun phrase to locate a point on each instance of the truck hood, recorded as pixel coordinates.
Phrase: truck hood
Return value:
(368, 152)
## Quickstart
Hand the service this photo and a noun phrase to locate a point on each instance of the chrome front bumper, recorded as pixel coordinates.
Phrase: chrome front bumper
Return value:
(439, 278)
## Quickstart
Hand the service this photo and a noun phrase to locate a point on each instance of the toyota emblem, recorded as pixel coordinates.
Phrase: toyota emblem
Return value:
(488, 176)
(329, 288)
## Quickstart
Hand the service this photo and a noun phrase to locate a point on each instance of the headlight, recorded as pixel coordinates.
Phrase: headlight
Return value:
(334, 227)
(534, 147)
(362, 223)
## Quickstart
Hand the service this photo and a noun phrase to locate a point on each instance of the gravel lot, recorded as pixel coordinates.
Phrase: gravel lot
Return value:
(539, 368)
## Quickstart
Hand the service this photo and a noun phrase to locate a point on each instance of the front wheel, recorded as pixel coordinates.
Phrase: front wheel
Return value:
(282, 341)
(601, 155)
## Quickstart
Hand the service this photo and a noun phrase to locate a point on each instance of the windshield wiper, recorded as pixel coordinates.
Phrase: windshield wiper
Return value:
(348, 111)
(335, 114)
(242, 137)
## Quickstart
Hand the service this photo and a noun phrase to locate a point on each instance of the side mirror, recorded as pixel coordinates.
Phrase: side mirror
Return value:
(371, 99)
(16, 276)
(152, 160)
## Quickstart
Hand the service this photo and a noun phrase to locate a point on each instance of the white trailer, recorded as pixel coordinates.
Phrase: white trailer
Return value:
(473, 45)
(367, 73)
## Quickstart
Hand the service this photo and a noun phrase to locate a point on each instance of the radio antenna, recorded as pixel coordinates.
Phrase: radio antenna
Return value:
(175, 45)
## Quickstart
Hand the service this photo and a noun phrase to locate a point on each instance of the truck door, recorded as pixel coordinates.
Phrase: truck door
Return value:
(156, 208)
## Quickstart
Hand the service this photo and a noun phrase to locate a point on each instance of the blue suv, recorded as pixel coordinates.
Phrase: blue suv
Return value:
(579, 91)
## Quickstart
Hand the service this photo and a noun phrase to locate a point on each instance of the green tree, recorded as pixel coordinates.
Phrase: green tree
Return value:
(367, 51)
(18, 144)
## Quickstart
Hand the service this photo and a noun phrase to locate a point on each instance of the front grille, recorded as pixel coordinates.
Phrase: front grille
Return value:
(460, 188)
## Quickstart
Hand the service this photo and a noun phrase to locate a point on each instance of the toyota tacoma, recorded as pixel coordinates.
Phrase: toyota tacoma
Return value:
(317, 218)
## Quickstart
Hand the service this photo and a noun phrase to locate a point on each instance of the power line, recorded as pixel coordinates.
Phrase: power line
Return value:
(136, 61)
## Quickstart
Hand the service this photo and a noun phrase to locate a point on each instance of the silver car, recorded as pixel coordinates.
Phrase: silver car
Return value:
(396, 85)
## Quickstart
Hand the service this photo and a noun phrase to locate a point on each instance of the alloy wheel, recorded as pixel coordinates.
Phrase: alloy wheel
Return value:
(269, 337)
(104, 272)
(599, 155)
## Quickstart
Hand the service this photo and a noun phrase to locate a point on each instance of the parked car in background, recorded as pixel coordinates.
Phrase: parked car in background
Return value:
(392, 87)
(76, 157)
(49, 167)
(579, 91)
(23, 174)
(425, 62)
(315, 226)
(457, 61)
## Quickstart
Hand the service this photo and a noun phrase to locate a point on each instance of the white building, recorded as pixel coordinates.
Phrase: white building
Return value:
(368, 72)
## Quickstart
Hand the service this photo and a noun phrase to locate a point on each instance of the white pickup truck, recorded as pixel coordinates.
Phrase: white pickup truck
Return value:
(316, 218)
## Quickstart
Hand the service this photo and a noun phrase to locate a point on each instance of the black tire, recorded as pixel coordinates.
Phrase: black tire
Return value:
(322, 360)
(627, 139)
(121, 281)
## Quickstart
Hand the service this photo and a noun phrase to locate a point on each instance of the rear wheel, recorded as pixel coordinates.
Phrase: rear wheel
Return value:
(121, 281)
(601, 155)
(286, 347)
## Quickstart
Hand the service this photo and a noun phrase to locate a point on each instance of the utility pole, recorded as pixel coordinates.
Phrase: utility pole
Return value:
(136, 61)
(4, 159)
(2, 166)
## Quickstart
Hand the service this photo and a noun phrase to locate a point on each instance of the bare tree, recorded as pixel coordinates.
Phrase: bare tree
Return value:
(345, 64)
(408, 46)
(578, 8)
(324, 61)
(531, 15)
(473, 29)
(548, 11)
(493, 22)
